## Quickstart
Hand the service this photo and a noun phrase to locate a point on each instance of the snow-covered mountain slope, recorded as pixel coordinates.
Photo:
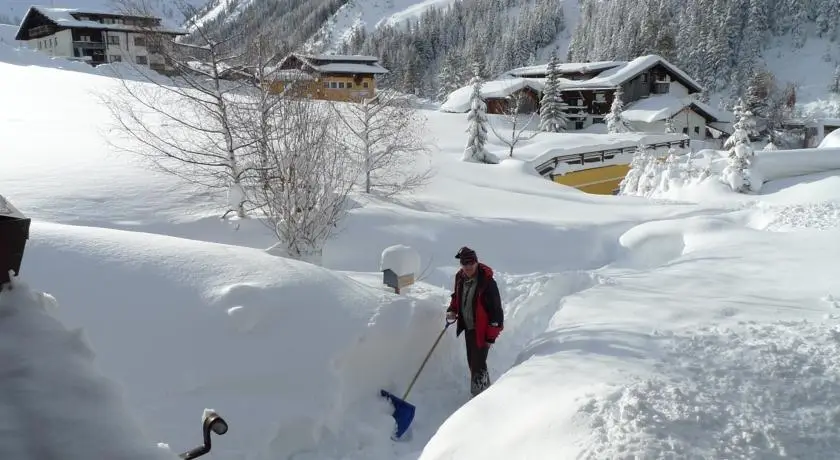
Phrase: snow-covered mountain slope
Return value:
(811, 69)
(367, 14)
(632, 327)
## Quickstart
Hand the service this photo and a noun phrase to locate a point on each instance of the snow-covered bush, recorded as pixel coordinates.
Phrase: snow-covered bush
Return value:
(651, 175)
(739, 173)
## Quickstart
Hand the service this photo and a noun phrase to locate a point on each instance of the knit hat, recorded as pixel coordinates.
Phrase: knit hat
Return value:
(466, 255)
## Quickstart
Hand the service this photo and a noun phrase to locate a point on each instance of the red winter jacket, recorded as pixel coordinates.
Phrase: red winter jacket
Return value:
(489, 317)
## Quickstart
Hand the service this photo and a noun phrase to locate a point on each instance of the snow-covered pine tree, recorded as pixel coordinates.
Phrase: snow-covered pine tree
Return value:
(652, 175)
(475, 150)
(669, 125)
(672, 173)
(552, 108)
(615, 121)
(630, 184)
(448, 79)
(737, 174)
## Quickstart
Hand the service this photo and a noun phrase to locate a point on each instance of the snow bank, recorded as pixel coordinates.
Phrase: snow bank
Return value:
(779, 164)
(55, 402)
(831, 141)
(749, 391)
(670, 355)
(292, 355)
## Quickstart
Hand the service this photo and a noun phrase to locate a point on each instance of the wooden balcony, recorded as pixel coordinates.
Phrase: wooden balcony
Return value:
(90, 45)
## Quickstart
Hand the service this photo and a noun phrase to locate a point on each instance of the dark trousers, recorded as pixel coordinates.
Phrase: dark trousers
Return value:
(477, 361)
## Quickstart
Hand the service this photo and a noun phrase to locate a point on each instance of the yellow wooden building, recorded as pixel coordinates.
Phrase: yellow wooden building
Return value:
(600, 172)
(327, 77)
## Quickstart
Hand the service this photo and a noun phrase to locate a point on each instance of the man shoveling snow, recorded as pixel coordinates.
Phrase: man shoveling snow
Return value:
(477, 307)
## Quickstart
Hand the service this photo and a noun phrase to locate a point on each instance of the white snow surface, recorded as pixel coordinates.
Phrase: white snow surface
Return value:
(402, 259)
(48, 378)
(701, 326)
(832, 140)
(369, 15)
(7, 34)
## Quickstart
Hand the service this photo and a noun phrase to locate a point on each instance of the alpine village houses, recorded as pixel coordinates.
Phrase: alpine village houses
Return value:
(655, 92)
(349, 78)
(96, 37)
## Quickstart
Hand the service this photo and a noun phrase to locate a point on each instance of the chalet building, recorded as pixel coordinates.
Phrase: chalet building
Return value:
(96, 37)
(655, 93)
(327, 77)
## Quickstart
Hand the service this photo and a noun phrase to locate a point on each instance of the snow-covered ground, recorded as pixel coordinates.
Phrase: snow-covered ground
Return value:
(633, 327)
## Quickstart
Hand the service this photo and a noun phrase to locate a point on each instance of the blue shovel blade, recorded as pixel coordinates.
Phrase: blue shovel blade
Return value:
(403, 413)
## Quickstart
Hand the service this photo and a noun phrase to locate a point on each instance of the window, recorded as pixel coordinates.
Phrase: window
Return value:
(333, 85)
(108, 21)
(113, 40)
(341, 85)
(84, 38)
(600, 97)
(579, 124)
(139, 41)
(685, 130)
(644, 78)
(349, 84)
(696, 130)
(116, 58)
(365, 85)
(142, 60)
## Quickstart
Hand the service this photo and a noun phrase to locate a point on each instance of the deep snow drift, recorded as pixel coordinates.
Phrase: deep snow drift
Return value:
(56, 403)
(633, 326)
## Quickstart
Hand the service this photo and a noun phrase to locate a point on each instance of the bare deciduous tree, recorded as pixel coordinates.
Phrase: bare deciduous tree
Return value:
(309, 177)
(385, 139)
(185, 123)
(516, 104)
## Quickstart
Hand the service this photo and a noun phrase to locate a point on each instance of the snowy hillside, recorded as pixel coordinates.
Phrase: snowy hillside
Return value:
(7, 34)
(368, 15)
(633, 327)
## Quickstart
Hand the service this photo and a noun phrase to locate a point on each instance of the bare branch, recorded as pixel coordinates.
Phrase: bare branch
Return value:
(384, 138)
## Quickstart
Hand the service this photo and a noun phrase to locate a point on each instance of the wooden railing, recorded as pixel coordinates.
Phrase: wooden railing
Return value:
(600, 156)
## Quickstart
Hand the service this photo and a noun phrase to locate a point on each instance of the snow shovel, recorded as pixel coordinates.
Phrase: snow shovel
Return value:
(403, 410)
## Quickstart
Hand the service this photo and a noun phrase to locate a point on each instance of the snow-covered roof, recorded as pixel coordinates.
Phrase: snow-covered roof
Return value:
(67, 17)
(338, 63)
(577, 143)
(541, 70)
(459, 100)
(663, 106)
(339, 57)
(614, 72)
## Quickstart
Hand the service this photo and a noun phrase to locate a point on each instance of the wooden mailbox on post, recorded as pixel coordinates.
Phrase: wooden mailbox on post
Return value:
(14, 231)
(399, 264)
(396, 282)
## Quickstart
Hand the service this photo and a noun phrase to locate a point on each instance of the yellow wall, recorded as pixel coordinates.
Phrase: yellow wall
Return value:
(317, 88)
(599, 181)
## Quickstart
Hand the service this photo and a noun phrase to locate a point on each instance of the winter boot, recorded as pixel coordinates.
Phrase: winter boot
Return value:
(479, 382)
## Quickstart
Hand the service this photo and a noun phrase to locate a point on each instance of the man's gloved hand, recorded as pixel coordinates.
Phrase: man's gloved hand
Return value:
(450, 316)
